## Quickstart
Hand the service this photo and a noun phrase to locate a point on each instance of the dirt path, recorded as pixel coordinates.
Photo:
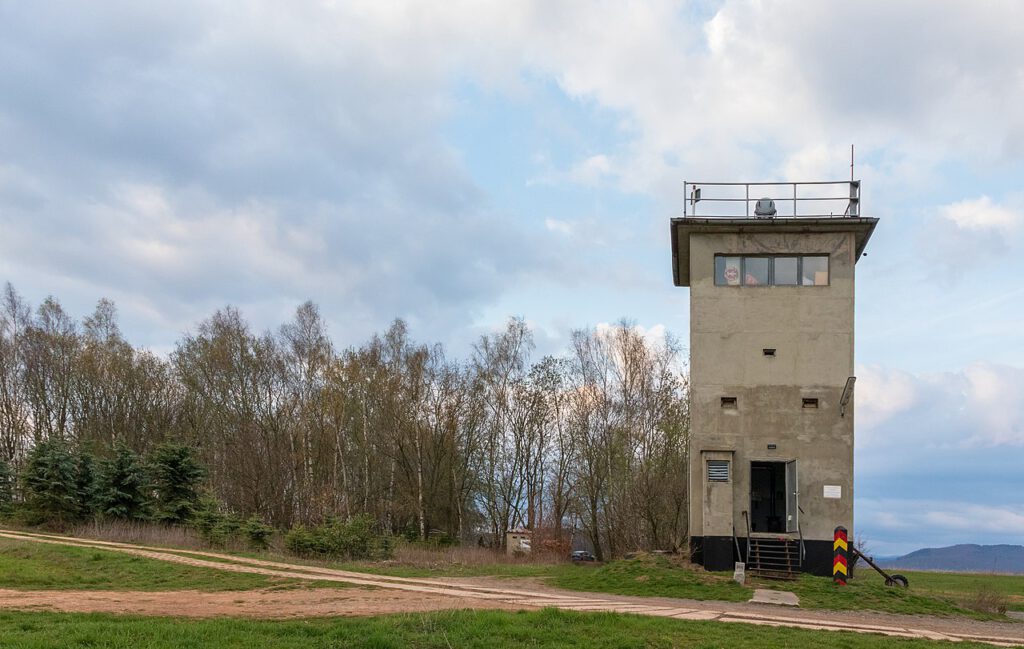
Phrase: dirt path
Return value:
(262, 604)
(399, 594)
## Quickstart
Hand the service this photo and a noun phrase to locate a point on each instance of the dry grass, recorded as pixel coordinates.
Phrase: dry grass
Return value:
(413, 556)
(424, 556)
(143, 533)
(987, 601)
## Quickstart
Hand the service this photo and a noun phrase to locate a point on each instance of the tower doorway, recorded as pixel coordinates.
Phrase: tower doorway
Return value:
(773, 497)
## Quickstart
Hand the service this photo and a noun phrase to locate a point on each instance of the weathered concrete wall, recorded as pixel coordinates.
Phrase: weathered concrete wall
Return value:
(811, 329)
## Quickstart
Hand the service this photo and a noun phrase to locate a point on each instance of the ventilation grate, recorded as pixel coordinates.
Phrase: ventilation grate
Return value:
(718, 470)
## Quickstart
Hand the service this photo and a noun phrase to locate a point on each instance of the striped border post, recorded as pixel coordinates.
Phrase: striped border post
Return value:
(839, 556)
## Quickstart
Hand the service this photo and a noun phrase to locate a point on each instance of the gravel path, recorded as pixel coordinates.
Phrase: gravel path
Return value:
(386, 594)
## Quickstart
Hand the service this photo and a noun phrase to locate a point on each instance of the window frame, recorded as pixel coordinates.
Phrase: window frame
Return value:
(771, 269)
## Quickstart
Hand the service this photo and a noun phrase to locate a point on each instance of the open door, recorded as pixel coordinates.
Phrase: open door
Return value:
(792, 498)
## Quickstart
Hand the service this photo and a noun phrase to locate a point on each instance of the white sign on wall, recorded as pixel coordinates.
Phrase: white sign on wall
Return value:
(833, 491)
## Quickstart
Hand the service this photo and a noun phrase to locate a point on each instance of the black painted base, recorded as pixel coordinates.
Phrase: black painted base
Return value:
(718, 553)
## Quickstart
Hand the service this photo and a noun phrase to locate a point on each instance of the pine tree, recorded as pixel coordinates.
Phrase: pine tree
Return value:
(48, 482)
(123, 486)
(6, 488)
(85, 485)
(176, 478)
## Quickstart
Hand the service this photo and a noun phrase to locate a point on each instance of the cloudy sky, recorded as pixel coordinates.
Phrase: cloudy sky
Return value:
(456, 163)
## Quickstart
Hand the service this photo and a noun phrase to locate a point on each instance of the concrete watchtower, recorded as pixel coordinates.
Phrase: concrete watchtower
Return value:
(771, 369)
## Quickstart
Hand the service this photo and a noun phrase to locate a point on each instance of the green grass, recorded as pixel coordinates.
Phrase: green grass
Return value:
(650, 576)
(869, 592)
(658, 576)
(463, 629)
(964, 586)
(930, 593)
(38, 566)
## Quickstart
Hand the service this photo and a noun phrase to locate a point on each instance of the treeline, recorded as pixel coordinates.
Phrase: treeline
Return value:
(294, 430)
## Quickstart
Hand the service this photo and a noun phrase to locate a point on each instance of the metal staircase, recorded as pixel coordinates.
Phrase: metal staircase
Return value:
(773, 557)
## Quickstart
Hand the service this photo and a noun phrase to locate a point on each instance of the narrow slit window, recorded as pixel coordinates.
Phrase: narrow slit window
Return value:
(718, 470)
(768, 351)
(810, 402)
(729, 402)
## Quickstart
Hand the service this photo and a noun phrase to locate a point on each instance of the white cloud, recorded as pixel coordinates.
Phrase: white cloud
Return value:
(591, 171)
(880, 394)
(982, 214)
(555, 225)
(977, 407)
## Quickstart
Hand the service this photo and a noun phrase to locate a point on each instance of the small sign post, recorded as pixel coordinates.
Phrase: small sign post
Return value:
(839, 556)
(739, 574)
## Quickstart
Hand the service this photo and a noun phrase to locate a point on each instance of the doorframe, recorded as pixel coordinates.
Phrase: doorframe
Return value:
(786, 461)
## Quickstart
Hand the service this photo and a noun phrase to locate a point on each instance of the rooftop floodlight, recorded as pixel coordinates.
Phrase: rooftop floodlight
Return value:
(765, 208)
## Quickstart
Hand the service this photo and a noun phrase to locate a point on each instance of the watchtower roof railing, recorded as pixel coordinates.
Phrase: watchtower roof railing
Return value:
(801, 200)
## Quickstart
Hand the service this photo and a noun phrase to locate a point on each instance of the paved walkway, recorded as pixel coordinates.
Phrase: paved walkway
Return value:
(1007, 635)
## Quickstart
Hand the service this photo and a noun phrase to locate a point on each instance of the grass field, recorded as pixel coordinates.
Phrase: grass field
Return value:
(657, 576)
(485, 629)
(965, 586)
(37, 566)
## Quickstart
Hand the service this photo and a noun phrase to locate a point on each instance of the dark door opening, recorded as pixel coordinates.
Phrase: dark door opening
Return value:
(768, 497)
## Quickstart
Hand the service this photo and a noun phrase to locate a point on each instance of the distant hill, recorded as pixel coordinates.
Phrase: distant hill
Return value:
(965, 558)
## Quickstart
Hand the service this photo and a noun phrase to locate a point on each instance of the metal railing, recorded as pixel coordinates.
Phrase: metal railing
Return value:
(803, 200)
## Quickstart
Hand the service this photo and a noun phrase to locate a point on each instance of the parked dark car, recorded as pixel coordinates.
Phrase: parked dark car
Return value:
(582, 555)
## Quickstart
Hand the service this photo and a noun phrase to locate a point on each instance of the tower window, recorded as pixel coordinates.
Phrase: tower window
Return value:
(729, 402)
(810, 402)
(787, 271)
(771, 270)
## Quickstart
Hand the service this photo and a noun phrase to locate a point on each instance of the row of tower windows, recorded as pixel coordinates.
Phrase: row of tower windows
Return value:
(771, 270)
(806, 402)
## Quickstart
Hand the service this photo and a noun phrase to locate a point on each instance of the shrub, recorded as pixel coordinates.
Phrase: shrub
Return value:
(214, 526)
(257, 532)
(299, 540)
(351, 539)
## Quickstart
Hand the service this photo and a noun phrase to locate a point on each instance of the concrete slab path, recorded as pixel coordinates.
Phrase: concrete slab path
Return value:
(777, 597)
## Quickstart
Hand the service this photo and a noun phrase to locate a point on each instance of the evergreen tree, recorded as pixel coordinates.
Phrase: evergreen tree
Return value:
(176, 477)
(48, 482)
(122, 487)
(85, 485)
(6, 487)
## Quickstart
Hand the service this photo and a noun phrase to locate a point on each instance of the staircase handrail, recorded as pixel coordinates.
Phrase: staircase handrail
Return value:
(746, 518)
(803, 550)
